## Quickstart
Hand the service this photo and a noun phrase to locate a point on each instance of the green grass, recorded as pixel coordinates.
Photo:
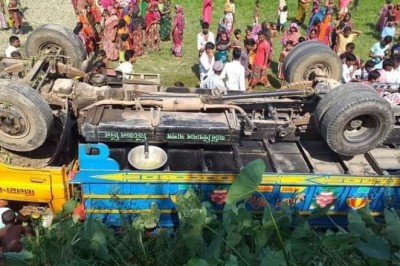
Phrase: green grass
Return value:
(172, 70)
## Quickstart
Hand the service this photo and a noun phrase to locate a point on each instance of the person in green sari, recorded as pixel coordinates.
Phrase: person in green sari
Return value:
(164, 6)
(143, 7)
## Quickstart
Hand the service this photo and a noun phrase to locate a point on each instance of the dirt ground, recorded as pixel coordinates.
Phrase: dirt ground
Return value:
(38, 12)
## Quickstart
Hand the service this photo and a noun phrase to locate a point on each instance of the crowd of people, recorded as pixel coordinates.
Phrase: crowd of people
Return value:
(330, 22)
(122, 30)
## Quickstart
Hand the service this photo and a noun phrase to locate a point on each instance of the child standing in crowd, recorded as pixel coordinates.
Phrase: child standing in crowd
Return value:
(283, 18)
(344, 37)
(257, 12)
(236, 42)
(282, 56)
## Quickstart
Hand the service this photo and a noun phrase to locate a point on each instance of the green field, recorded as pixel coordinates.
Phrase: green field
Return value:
(172, 70)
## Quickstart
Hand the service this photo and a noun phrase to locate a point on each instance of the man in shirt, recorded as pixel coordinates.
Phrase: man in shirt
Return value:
(204, 37)
(207, 61)
(15, 43)
(234, 73)
(379, 50)
(361, 74)
(214, 79)
(261, 61)
(126, 68)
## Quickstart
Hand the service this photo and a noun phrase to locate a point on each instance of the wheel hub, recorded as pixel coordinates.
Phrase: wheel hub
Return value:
(12, 122)
(317, 70)
(361, 128)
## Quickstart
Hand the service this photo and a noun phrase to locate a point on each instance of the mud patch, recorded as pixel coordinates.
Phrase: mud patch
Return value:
(38, 158)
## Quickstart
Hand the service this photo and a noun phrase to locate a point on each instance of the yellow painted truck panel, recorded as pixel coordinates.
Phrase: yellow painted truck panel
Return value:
(47, 185)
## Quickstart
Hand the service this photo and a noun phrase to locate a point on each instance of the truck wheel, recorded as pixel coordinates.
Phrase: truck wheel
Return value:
(335, 96)
(48, 38)
(357, 124)
(25, 118)
(302, 48)
(303, 65)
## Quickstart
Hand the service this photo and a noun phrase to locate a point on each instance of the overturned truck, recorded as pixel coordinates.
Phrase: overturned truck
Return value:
(312, 133)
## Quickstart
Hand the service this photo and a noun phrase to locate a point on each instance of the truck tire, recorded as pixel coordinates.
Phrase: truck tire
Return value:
(357, 124)
(301, 48)
(320, 58)
(25, 118)
(335, 96)
(48, 38)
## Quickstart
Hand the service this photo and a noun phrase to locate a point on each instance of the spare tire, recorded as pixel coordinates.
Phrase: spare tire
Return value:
(357, 124)
(25, 118)
(48, 38)
(301, 48)
(303, 65)
(335, 96)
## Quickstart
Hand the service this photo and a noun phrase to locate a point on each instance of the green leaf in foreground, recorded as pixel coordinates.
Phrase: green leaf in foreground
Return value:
(247, 182)
(392, 226)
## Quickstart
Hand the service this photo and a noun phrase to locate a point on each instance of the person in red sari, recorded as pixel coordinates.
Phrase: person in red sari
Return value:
(110, 34)
(152, 19)
(261, 61)
(207, 11)
(178, 26)
(16, 15)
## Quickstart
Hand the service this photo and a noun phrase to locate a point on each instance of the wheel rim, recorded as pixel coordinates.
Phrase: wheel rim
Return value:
(13, 122)
(317, 70)
(361, 128)
(50, 48)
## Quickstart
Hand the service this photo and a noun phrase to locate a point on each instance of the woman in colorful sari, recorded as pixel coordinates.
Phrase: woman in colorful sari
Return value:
(3, 19)
(229, 9)
(325, 29)
(164, 7)
(152, 19)
(16, 16)
(386, 10)
(143, 7)
(222, 46)
(291, 34)
(207, 11)
(136, 30)
(110, 34)
(178, 27)
(343, 6)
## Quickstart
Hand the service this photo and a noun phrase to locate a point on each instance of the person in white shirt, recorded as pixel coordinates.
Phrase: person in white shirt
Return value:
(283, 19)
(204, 37)
(214, 79)
(348, 68)
(126, 68)
(207, 61)
(361, 74)
(15, 43)
(394, 75)
(234, 73)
